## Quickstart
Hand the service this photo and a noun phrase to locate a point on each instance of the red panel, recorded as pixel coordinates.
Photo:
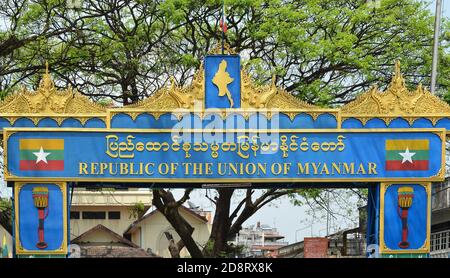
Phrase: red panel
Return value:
(397, 165)
(52, 165)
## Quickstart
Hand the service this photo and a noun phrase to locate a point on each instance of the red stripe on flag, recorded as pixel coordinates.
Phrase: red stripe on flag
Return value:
(223, 25)
(52, 165)
(397, 165)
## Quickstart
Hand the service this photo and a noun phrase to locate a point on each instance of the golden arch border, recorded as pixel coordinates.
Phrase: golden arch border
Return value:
(223, 113)
(339, 117)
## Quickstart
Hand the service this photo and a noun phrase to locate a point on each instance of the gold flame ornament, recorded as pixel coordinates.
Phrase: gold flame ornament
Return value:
(40, 198)
(405, 201)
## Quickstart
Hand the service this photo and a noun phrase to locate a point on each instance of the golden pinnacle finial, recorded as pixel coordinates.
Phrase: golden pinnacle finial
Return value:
(173, 82)
(47, 82)
(397, 69)
(218, 49)
(397, 82)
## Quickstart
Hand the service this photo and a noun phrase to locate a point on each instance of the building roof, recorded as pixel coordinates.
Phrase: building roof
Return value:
(155, 211)
(104, 251)
(273, 235)
(84, 237)
(115, 246)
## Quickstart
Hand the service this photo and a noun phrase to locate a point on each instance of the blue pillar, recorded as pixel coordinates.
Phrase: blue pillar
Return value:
(373, 216)
(13, 219)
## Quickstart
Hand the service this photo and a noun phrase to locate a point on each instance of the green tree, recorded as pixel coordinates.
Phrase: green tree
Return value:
(6, 214)
(137, 210)
(325, 52)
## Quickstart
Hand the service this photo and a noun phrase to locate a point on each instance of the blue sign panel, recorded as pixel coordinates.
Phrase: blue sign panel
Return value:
(41, 218)
(406, 211)
(222, 81)
(297, 155)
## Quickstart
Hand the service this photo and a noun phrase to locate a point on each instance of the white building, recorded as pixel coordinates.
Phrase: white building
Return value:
(149, 232)
(111, 208)
(101, 242)
(94, 212)
(440, 220)
(259, 241)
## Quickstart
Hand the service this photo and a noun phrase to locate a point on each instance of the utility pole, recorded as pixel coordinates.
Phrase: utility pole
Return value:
(328, 212)
(437, 27)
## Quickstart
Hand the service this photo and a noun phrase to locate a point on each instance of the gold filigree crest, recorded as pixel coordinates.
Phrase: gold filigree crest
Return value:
(262, 99)
(396, 101)
(48, 102)
(171, 97)
(217, 49)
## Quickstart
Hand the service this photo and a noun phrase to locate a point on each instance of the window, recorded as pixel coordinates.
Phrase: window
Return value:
(440, 241)
(114, 215)
(94, 215)
(74, 215)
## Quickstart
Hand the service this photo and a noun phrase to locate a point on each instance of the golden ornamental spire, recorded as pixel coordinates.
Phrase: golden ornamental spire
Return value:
(48, 100)
(397, 70)
(395, 101)
(47, 85)
(217, 49)
(398, 82)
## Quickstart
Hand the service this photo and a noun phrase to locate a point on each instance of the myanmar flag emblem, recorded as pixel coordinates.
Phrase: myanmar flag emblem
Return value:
(407, 155)
(41, 154)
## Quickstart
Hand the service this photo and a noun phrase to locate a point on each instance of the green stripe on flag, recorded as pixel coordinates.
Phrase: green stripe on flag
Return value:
(419, 155)
(54, 154)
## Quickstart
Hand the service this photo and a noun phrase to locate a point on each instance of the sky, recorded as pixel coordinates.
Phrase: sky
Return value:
(291, 221)
(445, 7)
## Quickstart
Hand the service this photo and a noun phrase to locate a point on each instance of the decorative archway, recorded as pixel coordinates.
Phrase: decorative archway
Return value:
(63, 119)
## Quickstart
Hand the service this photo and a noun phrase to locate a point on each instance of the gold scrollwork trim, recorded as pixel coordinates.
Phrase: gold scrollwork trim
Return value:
(47, 99)
(396, 102)
(433, 118)
(59, 118)
(218, 49)
(224, 113)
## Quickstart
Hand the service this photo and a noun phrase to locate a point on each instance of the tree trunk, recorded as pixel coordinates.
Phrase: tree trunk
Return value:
(221, 223)
(167, 205)
(125, 93)
(5, 220)
(6, 215)
(246, 213)
(174, 248)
